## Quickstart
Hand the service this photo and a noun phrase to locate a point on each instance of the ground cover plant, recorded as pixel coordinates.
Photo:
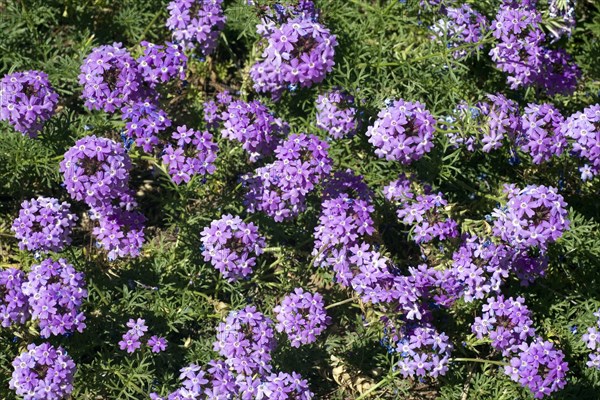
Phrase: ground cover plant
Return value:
(338, 199)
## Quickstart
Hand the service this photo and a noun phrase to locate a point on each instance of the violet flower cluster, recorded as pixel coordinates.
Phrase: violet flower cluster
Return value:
(196, 23)
(160, 64)
(302, 316)
(279, 189)
(591, 339)
(96, 170)
(231, 246)
(336, 113)
(44, 225)
(541, 136)
(533, 217)
(298, 52)
(425, 212)
(521, 52)
(584, 128)
(110, 78)
(254, 126)
(131, 340)
(423, 350)
(460, 27)
(43, 372)
(14, 305)
(193, 154)
(246, 340)
(27, 101)
(506, 322)
(539, 367)
(402, 132)
(144, 122)
(55, 292)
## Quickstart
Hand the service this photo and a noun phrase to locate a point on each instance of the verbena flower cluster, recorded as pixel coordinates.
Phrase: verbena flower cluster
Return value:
(131, 340)
(144, 123)
(584, 128)
(402, 132)
(160, 64)
(337, 113)
(44, 225)
(541, 136)
(27, 101)
(591, 339)
(254, 126)
(522, 54)
(55, 292)
(425, 212)
(298, 52)
(14, 307)
(193, 153)
(196, 23)
(539, 367)
(279, 189)
(302, 316)
(460, 27)
(96, 171)
(506, 322)
(533, 217)
(43, 372)
(110, 78)
(231, 246)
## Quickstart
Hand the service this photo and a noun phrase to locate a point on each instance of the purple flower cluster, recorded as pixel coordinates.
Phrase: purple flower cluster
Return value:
(231, 246)
(302, 316)
(506, 322)
(13, 303)
(214, 110)
(43, 372)
(196, 23)
(336, 114)
(541, 136)
(254, 126)
(402, 132)
(221, 383)
(27, 101)
(131, 340)
(246, 340)
(96, 170)
(461, 26)
(44, 225)
(423, 350)
(539, 367)
(425, 212)
(279, 189)
(194, 154)
(298, 52)
(533, 217)
(144, 121)
(592, 342)
(584, 128)
(521, 52)
(160, 64)
(55, 292)
(111, 78)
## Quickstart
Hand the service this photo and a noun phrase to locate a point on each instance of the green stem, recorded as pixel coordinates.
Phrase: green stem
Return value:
(480, 360)
(339, 303)
(272, 250)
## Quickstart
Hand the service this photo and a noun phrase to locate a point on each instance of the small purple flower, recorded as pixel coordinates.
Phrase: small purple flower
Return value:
(196, 23)
(336, 114)
(13, 302)
(157, 344)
